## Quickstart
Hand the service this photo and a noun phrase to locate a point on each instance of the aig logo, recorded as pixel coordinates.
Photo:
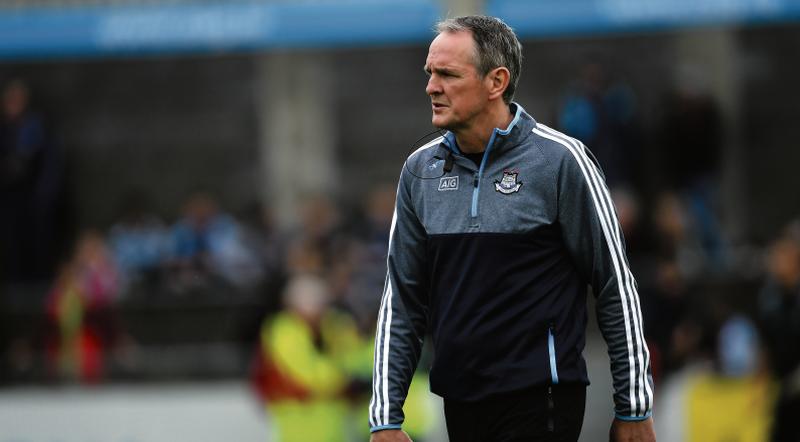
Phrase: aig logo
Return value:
(448, 183)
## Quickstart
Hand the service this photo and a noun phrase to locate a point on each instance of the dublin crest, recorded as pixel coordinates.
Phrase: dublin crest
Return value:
(508, 184)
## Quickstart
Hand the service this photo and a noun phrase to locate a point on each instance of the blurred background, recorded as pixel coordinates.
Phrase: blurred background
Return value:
(195, 199)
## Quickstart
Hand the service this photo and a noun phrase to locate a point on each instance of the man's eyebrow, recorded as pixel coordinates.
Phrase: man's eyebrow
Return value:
(440, 70)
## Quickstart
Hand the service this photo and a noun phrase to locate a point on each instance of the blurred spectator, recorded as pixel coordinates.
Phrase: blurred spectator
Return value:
(269, 243)
(30, 182)
(364, 295)
(312, 361)
(314, 370)
(733, 401)
(80, 306)
(779, 312)
(604, 116)
(311, 248)
(676, 237)
(690, 137)
(208, 245)
(140, 243)
(666, 279)
(690, 132)
(629, 209)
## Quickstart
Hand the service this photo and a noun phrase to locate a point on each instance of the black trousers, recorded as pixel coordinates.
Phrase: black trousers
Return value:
(537, 414)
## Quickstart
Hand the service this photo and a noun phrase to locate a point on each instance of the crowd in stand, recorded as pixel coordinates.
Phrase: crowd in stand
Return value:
(320, 284)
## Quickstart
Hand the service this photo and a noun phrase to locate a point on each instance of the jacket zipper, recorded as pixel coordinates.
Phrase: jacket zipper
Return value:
(475, 191)
(476, 188)
(476, 185)
(551, 350)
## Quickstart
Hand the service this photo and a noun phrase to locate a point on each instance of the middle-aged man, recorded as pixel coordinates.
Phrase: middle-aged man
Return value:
(499, 226)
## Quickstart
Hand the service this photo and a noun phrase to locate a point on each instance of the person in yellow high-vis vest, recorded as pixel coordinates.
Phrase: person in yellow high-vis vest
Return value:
(308, 353)
(314, 370)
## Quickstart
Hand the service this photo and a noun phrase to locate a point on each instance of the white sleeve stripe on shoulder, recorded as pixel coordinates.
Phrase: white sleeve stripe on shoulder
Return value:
(606, 222)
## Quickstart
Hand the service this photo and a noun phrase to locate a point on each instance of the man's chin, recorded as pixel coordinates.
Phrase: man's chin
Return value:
(440, 123)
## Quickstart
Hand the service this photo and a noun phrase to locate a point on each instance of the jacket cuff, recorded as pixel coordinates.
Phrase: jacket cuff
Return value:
(385, 427)
(633, 418)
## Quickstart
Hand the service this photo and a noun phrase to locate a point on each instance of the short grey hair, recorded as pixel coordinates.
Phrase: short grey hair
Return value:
(496, 46)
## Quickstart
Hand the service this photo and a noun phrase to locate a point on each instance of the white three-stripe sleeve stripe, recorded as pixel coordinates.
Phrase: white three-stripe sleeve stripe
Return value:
(374, 405)
(641, 377)
(608, 229)
(380, 385)
(611, 240)
(604, 221)
(628, 277)
(380, 372)
(386, 334)
(643, 355)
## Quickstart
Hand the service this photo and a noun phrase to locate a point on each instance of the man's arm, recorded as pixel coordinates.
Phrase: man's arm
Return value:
(638, 431)
(402, 317)
(594, 238)
(390, 436)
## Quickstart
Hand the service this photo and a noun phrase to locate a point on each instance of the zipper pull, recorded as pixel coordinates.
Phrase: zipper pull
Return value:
(475, 181)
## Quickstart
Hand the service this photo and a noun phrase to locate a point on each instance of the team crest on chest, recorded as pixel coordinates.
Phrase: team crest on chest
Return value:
(508, 184)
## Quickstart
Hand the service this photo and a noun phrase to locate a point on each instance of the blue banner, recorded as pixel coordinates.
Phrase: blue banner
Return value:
(555, 17)
(45, 32)
(209, 27)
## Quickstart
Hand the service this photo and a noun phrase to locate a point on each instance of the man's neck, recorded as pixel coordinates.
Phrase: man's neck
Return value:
(475, 138)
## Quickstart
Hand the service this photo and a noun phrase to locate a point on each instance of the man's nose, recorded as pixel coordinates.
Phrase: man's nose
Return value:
(433, 86)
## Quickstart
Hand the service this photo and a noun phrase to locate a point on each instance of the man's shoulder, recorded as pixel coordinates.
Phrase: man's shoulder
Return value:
(554, 143)
(563, 152)
(555, 146)
(425, 152)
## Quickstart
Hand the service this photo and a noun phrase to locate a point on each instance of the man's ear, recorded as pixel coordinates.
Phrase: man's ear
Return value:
(497, 81)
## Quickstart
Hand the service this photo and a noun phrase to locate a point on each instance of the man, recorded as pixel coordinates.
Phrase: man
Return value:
(499, 225)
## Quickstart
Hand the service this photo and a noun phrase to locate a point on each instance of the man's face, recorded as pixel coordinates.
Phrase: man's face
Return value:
(458, 93)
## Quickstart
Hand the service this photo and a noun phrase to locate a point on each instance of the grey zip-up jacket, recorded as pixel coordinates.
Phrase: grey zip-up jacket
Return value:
(493, 262)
